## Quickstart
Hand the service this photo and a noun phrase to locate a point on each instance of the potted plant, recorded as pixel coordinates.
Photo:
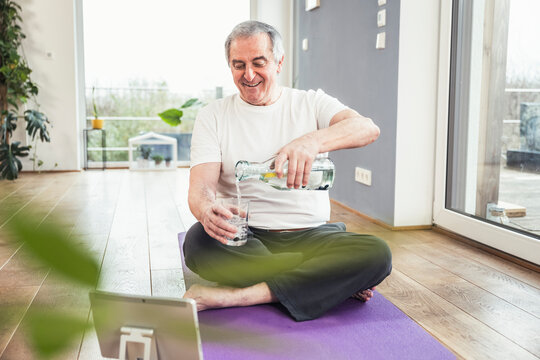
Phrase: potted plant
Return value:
(16, 87)
(145, 152)
(168, 161)
(97, 123)
(157, 159)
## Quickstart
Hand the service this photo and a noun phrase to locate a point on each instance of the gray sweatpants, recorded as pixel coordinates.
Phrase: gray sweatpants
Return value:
(309, 271)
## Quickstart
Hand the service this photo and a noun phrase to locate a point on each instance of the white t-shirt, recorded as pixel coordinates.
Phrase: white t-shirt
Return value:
(229, 130)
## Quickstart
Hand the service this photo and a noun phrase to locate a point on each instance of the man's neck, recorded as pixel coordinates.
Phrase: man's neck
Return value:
(276, 94)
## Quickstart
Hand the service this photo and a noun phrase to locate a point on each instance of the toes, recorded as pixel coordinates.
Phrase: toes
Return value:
(360, 297)
(364, 295)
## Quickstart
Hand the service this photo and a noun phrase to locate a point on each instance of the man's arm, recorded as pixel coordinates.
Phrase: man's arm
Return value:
(203, 179)
(347, 130)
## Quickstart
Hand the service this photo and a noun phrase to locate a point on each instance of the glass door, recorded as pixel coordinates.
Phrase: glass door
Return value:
(488, 185)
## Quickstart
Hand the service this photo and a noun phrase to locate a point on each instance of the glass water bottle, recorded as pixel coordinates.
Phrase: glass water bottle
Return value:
(320, 178)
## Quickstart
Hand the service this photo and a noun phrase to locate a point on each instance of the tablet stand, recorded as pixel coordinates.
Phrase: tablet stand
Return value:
(141, 336)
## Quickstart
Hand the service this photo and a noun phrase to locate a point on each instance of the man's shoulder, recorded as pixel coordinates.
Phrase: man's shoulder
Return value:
(310, 94)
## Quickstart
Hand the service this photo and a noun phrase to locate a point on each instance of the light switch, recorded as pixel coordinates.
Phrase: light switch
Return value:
(305, 44)
(381, 40)
(381, 18)
(382, 2)
(312, 4)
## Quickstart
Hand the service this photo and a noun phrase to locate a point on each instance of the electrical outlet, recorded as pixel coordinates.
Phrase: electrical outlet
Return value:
(362, 176)
(312, 4)
(381, 40)
(381, 18)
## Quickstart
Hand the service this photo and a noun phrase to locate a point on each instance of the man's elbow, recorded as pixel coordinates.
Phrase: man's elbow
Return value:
(372, 132)
(375, 132)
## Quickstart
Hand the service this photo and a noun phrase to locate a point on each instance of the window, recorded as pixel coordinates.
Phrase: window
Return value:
(142, 58)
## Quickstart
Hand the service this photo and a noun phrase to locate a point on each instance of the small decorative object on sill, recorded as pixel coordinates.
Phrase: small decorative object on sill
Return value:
(157, 159)
(97, 123)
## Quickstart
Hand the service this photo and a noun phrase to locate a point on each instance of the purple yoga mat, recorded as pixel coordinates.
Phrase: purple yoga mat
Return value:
(354, 330)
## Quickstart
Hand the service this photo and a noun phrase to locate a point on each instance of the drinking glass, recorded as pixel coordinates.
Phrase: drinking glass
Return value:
(240, 210)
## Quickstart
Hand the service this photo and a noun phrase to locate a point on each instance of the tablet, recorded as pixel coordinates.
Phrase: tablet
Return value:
(172, 322)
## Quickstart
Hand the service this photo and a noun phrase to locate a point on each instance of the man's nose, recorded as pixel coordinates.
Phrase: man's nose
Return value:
(249, 74)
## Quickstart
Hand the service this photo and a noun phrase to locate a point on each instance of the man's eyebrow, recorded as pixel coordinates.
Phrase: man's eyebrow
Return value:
(237, 62)
(260, 58)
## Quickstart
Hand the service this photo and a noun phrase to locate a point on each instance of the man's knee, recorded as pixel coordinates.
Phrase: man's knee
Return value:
(374, 254)
(382, 256)
(196, 243)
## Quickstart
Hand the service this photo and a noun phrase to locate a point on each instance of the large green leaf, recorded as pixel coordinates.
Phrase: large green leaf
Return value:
(36, 121)
(51, 332)
(51, 245)
(172, 117)
(10, 165)
(189, 103)
(8, 126)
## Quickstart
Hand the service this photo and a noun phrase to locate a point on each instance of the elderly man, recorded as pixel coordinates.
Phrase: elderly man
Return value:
(293, 257)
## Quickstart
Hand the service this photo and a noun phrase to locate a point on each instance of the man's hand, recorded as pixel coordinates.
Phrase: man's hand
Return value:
(347, 130)
(300, 153)
(214, 219)
(211, 214)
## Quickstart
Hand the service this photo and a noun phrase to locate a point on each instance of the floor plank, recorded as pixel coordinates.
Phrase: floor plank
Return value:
(180, 193)
(168, 283)
(164, 223)
(13, 302)
(126, 264)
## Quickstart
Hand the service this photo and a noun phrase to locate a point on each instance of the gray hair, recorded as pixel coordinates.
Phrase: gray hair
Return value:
(251, 28)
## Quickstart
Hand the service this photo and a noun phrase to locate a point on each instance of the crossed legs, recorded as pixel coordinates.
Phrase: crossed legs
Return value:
(308, 272)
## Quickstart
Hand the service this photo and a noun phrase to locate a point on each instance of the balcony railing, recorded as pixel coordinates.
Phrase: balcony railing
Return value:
(117, 139)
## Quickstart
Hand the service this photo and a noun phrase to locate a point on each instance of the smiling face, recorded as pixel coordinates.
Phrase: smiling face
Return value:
(254, 69)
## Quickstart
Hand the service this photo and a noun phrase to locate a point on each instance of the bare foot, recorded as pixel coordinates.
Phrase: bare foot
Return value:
(364, 295)
(208, 297)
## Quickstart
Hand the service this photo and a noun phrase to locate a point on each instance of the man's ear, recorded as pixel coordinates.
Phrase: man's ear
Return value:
(280, 64)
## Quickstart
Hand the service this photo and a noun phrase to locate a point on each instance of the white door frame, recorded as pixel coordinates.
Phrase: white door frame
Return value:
(514, 243)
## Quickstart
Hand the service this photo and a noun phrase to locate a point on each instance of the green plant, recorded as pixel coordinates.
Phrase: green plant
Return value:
(16, 88)
(174, 116)
(157, 158)
(145, 151)
(94, 110)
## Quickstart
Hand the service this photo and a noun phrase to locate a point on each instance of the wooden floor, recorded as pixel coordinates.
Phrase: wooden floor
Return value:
(478, 305)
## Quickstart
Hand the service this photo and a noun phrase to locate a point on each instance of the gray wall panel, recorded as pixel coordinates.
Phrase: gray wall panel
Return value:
(342, 60)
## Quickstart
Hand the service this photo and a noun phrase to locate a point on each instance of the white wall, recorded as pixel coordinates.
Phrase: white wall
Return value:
(416, 115)
(279, 14)
(49, 29)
